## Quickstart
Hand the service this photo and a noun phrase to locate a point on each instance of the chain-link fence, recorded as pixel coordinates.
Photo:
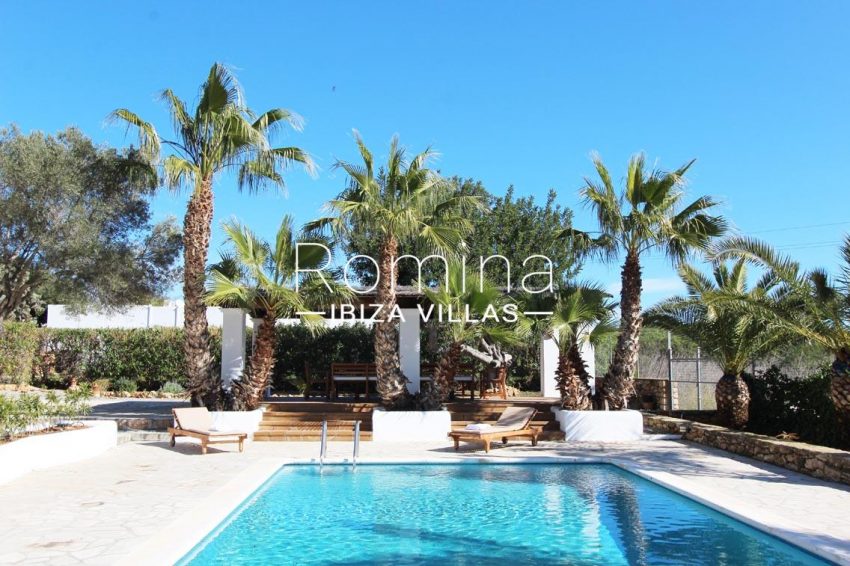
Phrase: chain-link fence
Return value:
(687, 377)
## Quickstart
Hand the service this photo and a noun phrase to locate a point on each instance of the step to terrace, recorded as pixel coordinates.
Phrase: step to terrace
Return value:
(294, 421)
(302, 420)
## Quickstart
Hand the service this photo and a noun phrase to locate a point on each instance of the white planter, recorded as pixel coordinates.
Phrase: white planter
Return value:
(600, 426)
(242, 421)
(38, 452)
(404, 426)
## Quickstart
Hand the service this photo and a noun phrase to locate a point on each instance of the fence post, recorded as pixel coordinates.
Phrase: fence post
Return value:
(699, 376)
(669, 373)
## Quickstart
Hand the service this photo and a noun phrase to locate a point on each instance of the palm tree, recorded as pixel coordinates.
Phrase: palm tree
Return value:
(830, 299)
(262, 280)
(647, 215)
(581, 313)
(822, 314)
(458, 294)
(222, 134)
(711, 316)
(406, 202)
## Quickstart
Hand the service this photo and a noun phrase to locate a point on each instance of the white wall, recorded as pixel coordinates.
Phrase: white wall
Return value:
(41, 451)
(549, 368)
(139, 316)
(232, 346)
(408, 348)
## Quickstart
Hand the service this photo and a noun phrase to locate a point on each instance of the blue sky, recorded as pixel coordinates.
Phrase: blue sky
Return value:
(509, 93)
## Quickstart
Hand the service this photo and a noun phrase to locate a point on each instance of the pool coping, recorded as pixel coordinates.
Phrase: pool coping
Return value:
(177, 539)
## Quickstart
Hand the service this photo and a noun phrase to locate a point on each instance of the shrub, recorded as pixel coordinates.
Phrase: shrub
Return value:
(70, 353)
(297, 347)
(150, 357)
(18, 347)
(26, 412)
(172, 388)
(124, 385)
(779, 403)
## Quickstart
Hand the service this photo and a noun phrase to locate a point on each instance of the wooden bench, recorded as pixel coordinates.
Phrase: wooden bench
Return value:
(465, 377)
(357, 372)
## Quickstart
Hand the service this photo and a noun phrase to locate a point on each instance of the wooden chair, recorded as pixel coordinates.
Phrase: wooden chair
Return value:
(515, 422)
(358, 372)
(197, 422)
(497, 378)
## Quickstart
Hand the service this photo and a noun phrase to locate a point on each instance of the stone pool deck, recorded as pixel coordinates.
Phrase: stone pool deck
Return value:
(118, 506)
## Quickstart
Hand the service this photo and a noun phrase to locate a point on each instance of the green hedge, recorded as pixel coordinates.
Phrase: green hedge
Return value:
(297, 347)
(779, 403)
(18, 346)
(148, 357)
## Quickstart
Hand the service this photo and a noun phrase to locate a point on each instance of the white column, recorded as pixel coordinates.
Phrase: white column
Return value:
(232, 345)
(548, 368)
(408, 347)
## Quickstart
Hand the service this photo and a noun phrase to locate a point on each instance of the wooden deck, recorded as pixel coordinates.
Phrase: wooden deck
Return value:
(299, 420)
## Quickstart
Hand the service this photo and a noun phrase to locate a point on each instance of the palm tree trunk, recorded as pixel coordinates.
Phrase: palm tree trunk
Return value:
(733, 401)
(248, 391)
(445, 371)
(839, 391)
(391, 383)
(575, 392)
(618, 385)
(203, 387)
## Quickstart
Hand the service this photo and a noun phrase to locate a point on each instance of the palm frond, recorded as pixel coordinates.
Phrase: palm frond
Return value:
(149, 143)
(220, 90)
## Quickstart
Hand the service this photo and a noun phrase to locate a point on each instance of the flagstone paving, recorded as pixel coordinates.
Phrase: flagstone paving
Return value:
(100, 510)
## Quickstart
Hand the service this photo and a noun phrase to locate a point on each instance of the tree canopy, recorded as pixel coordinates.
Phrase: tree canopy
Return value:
(75, 225)
(513, 227)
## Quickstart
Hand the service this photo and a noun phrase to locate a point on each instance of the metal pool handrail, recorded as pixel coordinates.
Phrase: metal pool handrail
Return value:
(323, 449)
(356, 443)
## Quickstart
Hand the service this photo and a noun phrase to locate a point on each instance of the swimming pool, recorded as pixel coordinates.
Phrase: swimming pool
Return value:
(480, 514)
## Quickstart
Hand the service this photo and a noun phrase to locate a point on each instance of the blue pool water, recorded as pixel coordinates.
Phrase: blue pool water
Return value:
(481, 514)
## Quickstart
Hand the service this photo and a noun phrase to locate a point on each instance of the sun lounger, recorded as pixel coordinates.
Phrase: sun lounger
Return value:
(197, 422)
(515, 422)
